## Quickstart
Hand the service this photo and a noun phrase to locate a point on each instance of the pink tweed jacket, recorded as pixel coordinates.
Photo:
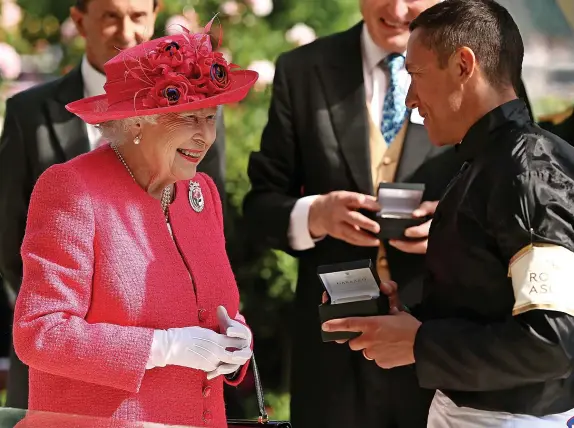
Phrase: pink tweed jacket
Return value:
(101, 272)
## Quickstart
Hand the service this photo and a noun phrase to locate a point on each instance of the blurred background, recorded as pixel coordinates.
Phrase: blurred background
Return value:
(38, 42)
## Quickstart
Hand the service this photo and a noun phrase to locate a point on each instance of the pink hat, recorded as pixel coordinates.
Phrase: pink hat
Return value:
(166, 75)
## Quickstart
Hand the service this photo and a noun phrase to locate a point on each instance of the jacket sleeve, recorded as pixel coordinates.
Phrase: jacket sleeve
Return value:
(237, 377)
(15, 189)
(274, 170)
(214, 193)
(50, 332)
(533, 345)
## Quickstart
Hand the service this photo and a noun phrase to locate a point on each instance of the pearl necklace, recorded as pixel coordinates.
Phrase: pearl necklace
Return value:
(165, 194)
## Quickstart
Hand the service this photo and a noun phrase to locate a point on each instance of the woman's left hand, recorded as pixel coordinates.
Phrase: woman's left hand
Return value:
(223, 369)
(231, 328)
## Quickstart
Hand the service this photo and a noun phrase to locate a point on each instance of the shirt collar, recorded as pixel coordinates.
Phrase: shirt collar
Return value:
(372, 53)
(94, 81)
(473, 143)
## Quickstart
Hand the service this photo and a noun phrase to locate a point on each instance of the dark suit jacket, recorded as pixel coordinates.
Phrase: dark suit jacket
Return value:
(315, 142)
(39, 132)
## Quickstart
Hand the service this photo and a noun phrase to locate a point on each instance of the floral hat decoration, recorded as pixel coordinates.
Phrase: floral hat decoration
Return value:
(166, 75)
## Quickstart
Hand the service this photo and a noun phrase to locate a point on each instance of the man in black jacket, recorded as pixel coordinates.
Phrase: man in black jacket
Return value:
(494, 333)
(39, 132)
(338, 127)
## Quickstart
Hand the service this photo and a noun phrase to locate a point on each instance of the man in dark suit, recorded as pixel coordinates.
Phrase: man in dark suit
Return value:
(39, 132)
(338, 126)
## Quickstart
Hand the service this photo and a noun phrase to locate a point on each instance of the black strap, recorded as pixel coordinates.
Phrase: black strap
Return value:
(263, 417)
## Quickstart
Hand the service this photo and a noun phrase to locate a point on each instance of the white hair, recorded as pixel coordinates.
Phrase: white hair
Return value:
(118, 131)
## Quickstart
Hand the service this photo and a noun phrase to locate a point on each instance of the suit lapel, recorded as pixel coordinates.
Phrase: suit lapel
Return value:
(416, 149)
(341, 74)
(69, 130)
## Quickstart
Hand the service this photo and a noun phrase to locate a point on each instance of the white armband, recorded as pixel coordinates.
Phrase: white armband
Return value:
(543, 278)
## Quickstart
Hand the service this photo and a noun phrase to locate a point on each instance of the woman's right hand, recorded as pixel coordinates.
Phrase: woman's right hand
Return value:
(197, 348)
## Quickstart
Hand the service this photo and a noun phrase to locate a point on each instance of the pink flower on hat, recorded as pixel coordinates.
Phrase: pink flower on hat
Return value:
(169, 54)
(211, 74)
(181, 74)
(171, 89)
(219, 73)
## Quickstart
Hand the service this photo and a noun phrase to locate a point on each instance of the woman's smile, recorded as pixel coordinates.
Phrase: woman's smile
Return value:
(190, 155)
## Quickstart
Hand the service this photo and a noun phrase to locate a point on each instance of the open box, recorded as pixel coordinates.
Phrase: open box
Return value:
(353, 291)
(398, 201)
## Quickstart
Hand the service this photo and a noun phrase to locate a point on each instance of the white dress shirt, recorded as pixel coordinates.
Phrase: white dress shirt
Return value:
(375, 80)
(93, 85)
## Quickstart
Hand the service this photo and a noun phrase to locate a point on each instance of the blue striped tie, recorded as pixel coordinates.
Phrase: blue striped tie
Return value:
(394, 109)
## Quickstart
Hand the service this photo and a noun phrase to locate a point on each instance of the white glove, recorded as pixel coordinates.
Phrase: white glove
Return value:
(223, 369)
(197, 348)
(231, 328)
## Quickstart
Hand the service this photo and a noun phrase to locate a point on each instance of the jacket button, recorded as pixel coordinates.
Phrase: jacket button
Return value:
(206, 391)
(207, 417)
(201, 314)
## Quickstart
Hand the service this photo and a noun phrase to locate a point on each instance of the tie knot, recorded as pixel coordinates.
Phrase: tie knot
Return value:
(394, 62)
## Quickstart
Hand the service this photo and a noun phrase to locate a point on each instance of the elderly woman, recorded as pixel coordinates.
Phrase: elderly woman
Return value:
(128, 307)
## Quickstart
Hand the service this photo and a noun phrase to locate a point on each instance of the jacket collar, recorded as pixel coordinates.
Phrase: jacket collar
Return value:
(477, 137)
(68, 129)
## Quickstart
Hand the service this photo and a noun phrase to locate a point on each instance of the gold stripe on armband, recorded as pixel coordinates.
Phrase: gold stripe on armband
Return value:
(523, 251)
(541, 276)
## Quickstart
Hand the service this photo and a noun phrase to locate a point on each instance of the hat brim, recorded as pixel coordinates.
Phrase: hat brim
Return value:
(95, 110)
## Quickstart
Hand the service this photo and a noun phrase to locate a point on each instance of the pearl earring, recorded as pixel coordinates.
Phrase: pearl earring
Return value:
(137, 139)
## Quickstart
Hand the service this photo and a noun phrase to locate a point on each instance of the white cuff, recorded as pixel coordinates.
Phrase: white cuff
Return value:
(299, 236)
(159, 348)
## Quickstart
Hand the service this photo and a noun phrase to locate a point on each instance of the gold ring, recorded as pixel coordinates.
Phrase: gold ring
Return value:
(365, 355)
